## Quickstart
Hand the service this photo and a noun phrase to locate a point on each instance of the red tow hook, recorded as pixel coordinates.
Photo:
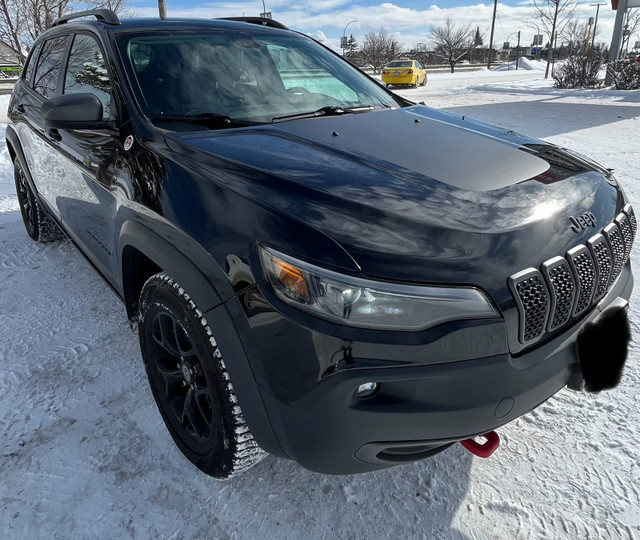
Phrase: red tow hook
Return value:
(483, 450)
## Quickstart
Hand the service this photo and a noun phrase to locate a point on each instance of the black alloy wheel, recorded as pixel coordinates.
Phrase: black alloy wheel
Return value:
(189, 382)
(40, 227)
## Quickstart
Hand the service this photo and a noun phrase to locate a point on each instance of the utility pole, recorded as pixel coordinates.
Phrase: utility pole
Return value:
(586, 46)
(518, 51)
(595, 25)
(162, 8)
(616, 39)
(493, 25)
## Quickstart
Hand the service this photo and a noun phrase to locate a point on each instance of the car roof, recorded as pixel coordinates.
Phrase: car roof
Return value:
(157, 24)
(255, 24)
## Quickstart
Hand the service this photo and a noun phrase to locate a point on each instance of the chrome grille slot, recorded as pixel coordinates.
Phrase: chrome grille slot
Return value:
(632, 219)
(563, 291)
(613, 236)
(584, 270)
(625, 229)
(532, 299)
(602, 256)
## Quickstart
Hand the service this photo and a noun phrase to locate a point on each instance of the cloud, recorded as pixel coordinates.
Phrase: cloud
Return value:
(327, 18)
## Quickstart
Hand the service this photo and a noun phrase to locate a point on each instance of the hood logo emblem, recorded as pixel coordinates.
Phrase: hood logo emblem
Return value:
(583, 222)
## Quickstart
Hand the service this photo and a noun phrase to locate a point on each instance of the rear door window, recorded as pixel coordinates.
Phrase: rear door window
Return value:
(49, 64)
(31, 64)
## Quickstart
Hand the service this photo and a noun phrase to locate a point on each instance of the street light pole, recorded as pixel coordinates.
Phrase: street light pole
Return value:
(344, 35)
(509, 55)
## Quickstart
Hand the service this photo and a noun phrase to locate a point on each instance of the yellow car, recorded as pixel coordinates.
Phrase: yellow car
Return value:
(408, 72)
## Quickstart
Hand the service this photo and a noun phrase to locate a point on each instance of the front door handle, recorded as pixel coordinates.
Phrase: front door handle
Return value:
(54, 134)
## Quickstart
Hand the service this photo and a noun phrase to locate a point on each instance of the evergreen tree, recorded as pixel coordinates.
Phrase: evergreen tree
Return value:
(477, 39)
(352, 47)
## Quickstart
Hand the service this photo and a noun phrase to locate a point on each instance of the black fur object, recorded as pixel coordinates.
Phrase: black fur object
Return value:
(603, 346)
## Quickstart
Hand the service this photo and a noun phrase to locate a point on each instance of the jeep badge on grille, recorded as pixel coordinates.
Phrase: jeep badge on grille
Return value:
(582, 222)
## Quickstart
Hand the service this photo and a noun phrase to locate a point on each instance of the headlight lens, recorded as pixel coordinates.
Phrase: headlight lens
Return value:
(369, 304)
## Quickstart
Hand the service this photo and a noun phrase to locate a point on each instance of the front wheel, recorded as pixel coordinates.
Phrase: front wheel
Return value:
(190, 383)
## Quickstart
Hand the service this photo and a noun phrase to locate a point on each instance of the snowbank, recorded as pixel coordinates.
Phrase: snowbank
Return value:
(523, 63)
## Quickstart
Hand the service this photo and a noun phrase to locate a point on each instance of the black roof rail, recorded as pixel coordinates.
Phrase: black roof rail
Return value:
(257, 20)
(102, 15)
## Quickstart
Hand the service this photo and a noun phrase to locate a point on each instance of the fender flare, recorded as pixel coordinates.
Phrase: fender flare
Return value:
(168, 258)
(15, 146)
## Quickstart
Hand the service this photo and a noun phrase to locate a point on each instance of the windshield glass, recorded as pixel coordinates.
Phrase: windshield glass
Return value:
(397, 64)
(243, 76)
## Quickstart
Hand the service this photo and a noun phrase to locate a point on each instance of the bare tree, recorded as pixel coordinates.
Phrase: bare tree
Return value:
(452, 42)
(631, 24)
(553, 16)
(575, 34)
(21, 21)
(11, 24)
(378, 49)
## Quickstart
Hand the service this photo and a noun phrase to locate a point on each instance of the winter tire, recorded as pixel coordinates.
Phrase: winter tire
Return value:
(190, 383)
(39, 225)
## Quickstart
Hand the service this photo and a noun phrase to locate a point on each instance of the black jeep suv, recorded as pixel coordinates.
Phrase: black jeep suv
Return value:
(316, 267)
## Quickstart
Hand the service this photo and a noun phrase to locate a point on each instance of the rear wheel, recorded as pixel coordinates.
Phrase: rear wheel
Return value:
(39, 225)
(190, 383)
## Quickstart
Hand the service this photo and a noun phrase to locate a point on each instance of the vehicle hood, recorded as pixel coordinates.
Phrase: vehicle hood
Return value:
(416, 194)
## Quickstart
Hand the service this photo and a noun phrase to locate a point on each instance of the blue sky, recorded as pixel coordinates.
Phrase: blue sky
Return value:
(408, 21)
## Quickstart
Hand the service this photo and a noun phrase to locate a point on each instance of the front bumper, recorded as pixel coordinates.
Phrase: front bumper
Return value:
(456, 385)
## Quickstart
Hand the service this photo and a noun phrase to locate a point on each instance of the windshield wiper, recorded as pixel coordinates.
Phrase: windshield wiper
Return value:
(204, 119)
(329, 110)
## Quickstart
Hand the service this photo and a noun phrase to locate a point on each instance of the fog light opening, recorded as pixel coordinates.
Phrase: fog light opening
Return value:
(367, 390)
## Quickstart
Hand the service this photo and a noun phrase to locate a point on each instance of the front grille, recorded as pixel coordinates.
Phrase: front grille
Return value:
(602, 256)
(632, 219)
(567, 287)
(533, 303)
(585, 271)
(612, 233)
(563, 291)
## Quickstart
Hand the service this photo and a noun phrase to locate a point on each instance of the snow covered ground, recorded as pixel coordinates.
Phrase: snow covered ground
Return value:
(84, 452)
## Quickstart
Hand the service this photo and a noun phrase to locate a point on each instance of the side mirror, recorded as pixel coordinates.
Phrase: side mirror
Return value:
(73, 111)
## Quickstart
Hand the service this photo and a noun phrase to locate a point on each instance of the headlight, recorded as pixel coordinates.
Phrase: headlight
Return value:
(369, 304)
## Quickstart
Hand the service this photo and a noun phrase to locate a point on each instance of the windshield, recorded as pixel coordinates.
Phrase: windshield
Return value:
(243, 77)
(398, 64)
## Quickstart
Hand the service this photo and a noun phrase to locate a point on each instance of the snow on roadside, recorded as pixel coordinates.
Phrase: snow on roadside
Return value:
(8, 199)
(84, 452)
